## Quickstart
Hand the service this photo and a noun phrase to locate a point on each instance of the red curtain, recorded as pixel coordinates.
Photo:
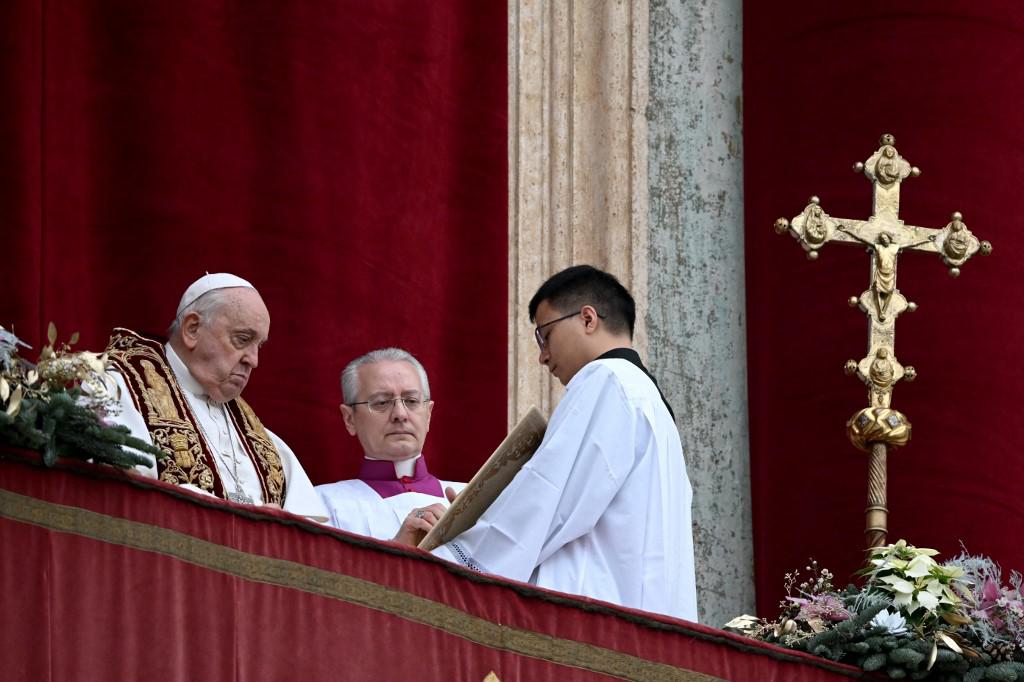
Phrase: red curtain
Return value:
(822, 82)
(126, 580)
(349, 158)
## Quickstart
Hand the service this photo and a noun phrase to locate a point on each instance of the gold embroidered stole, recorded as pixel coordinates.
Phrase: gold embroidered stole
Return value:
(260, 449)
(173, 426)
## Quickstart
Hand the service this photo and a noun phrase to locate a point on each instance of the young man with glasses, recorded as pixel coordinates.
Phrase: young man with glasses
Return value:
(387, 406)
(603, 507)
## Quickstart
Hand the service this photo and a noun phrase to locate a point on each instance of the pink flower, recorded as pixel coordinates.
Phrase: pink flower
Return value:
(821, 606)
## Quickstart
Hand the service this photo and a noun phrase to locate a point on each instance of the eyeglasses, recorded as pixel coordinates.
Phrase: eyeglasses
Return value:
(384, 405)
(541, 339)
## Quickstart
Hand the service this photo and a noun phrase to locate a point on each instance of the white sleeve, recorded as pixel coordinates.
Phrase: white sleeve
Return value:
(131, 418)
(346, 507)
(300, 496)
(561, 493)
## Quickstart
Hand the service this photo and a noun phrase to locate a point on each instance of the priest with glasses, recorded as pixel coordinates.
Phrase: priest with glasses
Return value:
(387, 407)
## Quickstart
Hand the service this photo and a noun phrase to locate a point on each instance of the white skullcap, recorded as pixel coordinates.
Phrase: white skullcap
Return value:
(208, 283)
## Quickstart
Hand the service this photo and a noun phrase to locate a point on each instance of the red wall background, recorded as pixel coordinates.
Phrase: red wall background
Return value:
(822, 82)
(349, 158)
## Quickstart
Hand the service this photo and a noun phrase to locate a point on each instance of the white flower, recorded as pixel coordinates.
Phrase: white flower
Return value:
(893, 622)
(898, 584)
(928, 600)
(920, 566)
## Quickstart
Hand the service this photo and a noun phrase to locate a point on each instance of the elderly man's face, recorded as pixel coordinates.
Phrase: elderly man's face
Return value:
(224, 347)
(397, 433)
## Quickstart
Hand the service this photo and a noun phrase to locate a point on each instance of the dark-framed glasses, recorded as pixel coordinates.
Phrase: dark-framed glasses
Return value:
(542, 340)
(384, 405)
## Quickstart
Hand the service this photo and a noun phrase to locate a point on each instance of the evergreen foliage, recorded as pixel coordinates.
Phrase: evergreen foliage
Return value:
(60, 427)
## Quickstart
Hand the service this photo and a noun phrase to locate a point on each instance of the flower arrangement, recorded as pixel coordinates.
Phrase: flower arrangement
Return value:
(914, 618)
(915, 584)
(58, 406)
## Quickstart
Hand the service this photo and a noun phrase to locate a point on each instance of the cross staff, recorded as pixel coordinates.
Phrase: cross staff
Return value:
(878, 427)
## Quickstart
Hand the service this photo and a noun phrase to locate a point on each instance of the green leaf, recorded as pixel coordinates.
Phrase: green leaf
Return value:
(74, 339)
(51, 333)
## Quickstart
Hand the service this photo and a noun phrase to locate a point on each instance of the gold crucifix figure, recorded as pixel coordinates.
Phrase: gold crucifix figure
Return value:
(878, 427)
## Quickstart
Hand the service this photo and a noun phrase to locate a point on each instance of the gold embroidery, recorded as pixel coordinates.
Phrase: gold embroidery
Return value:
(182, 457)
(206, 479)
(171, 423)
(159, 393)
(187, 463)
(262, 450)
(173, 426)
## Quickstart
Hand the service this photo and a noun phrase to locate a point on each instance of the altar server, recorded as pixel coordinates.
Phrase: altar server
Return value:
(603, 507)
(387, 406)
(185, 397)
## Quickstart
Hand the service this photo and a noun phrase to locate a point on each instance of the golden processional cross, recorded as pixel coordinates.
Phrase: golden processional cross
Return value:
(879, 427)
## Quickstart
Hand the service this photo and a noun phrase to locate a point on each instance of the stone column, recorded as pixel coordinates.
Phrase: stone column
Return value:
(696, 320)
(577, 162)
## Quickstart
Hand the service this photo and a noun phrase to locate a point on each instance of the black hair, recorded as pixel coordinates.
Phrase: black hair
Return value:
(582, 285)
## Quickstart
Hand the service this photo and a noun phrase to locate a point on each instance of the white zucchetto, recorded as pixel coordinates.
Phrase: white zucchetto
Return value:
(208, 283)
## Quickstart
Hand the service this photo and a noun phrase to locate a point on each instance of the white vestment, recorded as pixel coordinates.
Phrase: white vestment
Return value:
(357, 508)
(229, 455)
(603, 507)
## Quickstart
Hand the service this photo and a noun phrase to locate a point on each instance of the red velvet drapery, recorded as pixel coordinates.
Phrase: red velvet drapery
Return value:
(133, 579)
(822, 82)
(349, 158)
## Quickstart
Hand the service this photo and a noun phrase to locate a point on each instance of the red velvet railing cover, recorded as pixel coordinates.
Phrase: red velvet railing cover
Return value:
(111, 576)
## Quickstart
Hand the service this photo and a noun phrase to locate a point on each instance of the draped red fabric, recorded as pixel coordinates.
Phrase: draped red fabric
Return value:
(822, 82)
(133, 579)
(348, 158)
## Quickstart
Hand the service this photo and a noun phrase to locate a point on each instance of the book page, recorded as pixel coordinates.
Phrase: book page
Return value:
(485, 486)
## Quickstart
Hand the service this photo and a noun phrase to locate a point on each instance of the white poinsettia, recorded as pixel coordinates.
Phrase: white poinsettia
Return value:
(920, 566)
(918, 586)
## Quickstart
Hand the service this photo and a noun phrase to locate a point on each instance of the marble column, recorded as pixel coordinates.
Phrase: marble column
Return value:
(577, 162)
(696, 319)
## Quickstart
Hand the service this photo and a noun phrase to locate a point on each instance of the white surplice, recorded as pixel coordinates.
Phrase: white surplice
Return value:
(357, 508)
(603, 507)
(300, 497)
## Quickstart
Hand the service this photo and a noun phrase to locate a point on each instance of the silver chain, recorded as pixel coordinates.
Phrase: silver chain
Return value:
(239, 495)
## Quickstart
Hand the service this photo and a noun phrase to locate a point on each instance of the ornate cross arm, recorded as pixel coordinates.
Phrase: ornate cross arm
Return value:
(884, 236)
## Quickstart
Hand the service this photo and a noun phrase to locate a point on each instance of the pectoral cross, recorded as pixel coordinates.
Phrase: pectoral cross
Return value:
(878, 427)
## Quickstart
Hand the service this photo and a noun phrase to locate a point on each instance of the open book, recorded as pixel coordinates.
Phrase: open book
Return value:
(485, 486)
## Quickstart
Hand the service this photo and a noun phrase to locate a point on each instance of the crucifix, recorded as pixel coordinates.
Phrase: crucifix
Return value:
(877, 428)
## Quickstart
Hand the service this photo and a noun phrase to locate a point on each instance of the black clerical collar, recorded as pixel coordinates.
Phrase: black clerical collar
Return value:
(632, 356)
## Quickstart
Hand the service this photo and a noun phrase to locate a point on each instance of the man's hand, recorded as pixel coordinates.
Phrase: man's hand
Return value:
(418, 523)
(450, 493)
